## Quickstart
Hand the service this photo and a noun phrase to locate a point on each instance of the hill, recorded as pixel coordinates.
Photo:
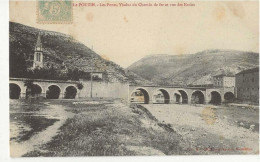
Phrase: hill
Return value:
(64, 53)
(193, 69)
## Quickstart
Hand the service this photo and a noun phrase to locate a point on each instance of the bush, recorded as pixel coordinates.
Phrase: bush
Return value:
(80, 86)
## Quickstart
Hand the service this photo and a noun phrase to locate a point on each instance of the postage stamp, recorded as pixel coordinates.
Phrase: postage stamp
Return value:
(54, 12)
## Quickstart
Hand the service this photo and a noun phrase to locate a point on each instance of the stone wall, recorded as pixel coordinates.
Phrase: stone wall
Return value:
(105, 90)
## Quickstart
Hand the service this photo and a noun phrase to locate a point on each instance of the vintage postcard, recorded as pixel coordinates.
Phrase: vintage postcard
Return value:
(131, 78)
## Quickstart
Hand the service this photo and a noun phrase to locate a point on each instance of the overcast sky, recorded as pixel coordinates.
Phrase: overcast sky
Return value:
(127, 34)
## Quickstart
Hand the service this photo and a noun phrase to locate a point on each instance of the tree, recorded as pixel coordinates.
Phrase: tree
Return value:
(80, 87)
(17, 66)
(31, 89)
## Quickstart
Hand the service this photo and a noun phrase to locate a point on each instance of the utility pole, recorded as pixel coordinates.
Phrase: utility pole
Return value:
(91, 78)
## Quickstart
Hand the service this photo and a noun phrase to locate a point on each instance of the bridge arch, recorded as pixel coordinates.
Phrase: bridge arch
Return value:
(197, 97)
(180, 96)
(162, 96)
(70, 92)
(14, 91)
(53, 91)
(140, 95)
(39, 88)
(229, 96)
(215, 97)
(36, 92)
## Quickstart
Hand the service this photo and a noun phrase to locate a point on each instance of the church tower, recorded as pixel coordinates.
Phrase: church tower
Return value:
(38, 54)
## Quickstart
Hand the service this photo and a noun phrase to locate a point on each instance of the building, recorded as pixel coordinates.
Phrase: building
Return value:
(38, 54)
(45, 60)
(247, 85)
(224, 80)
(97, 75)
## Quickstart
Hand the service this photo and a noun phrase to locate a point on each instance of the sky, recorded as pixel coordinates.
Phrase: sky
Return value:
(127, 34)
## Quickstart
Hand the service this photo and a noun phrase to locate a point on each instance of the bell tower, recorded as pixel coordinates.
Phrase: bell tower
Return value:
(38, 54)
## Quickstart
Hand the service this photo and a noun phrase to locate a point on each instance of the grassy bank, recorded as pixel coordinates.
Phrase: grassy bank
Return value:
(112, 129)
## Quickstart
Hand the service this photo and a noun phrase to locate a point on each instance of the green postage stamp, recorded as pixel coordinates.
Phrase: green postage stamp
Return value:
(54, 12)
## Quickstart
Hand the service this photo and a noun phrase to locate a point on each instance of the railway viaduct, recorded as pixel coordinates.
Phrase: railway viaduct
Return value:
(184, 95)
(61, 87)
(57, 89)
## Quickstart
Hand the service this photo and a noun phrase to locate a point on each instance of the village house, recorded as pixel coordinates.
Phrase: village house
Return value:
(247, 85)
(224, 80)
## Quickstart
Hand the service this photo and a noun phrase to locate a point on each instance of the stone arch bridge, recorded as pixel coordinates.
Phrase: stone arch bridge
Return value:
(60, 88)
(56, 89)
(184, 95)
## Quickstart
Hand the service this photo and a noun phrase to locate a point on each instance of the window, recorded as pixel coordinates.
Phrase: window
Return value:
(38, 57)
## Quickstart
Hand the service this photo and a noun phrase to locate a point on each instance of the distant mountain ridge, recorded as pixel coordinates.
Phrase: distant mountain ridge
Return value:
(162, 69)
(193, 69)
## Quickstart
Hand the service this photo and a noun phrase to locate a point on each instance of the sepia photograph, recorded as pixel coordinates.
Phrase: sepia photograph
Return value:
(133, 78)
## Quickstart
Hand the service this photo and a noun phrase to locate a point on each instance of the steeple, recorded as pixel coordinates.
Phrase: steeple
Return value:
(38, 53)
(38, 46)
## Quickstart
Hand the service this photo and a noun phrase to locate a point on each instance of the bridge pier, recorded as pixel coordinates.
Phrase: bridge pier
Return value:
(61, 96)
(223, 98)
(172, 101)
(43, 94)
(189, 100)
(22, 95)
(207, 101)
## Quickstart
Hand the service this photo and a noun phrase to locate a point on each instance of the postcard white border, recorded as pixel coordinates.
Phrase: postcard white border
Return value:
(4, 115)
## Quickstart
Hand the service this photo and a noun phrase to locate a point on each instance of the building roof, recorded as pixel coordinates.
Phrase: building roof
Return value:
(97, 72)
(226, 75)
(39, 43)
(249, 71)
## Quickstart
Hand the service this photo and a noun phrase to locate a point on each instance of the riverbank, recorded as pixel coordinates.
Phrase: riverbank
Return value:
(106, 128)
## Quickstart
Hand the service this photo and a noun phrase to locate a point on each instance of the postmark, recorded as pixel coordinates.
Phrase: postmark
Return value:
(54, 12)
